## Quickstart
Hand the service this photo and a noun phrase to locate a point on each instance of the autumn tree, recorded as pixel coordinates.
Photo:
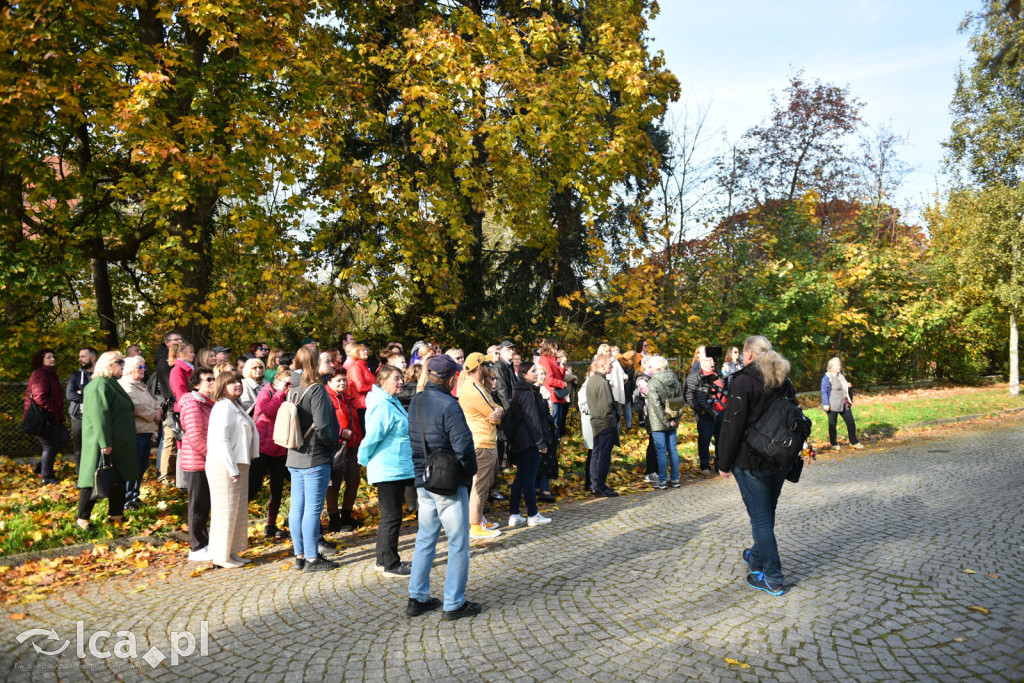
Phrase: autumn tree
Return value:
(987, 157)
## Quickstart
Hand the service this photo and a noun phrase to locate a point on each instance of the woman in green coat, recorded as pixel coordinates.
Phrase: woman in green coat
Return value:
(108, 426)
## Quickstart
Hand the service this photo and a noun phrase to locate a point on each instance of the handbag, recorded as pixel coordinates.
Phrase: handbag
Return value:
(37, 422)
(106, 479)
(561, 392)
(339, 462)
(443, 469)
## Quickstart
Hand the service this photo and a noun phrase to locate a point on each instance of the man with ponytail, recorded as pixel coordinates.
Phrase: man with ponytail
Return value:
(751, 389)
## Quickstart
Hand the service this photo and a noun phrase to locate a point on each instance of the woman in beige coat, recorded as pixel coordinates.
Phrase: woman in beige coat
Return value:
(231, 445)
(147, 417)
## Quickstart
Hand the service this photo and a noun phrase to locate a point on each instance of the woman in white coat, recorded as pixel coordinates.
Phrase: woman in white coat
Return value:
(585, 427)
(231, 445)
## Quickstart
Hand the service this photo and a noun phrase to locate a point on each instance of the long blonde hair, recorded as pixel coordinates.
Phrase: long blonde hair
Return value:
(774, 368)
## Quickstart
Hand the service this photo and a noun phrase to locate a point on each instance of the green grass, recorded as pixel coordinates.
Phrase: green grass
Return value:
(886, 414)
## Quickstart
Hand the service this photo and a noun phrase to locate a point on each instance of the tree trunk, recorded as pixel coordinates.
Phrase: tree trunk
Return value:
(104, 302)
(1014, 357)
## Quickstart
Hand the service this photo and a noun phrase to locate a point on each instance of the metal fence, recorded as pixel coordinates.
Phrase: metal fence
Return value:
(13, 442)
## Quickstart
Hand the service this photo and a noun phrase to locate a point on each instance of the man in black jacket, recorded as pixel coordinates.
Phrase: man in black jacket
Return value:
(604, 419)
(76, 384)
(436, 422)
(166, 450)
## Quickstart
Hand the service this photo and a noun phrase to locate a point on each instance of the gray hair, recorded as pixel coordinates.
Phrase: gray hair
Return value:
(655, 363)
(833, 365)
(774, 368)
(132, 362)
(104, 366)
(250, 364)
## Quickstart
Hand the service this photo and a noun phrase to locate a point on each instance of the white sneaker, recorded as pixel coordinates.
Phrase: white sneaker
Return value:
(515, 520)
(537, 520)
(650, 478)
(201, 555)
(488, 525)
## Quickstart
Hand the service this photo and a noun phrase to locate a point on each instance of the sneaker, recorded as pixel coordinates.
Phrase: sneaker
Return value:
(399, 570)
(515, 520)
(537, 520)
(300, 563)
(468, 609)
(546, 497)
(488, 525)
(418, 607)
(608, 492)
(674, 483)
(857, 445)
(482, 533)
(235, 557)
(758, 581)
(497, 495)
(651, 478)
(271, 531)
(706, 471)
(325, 548)
(320, 564)
(835, 447)
(201, 555)
(746, 559)
(661, 485)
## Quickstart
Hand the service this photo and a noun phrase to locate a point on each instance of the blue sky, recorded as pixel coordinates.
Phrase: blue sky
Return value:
(900, 57)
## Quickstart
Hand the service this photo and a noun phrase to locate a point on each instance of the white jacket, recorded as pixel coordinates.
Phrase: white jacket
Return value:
(587, 429)
(231, 439)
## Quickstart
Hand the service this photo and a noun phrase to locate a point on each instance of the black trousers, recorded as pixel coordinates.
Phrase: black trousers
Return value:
(390, 495)
(651, 462)
(277, 469)
(198, 509)
(86, 503)
(851, 427)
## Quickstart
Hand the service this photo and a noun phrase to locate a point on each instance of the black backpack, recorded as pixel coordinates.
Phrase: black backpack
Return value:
(777, 436)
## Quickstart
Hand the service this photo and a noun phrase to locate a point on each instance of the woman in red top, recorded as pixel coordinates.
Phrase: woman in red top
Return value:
(554, 381)
(360, 380)
(180, 357)
(271, 460)
(44, 389)
(351, 433)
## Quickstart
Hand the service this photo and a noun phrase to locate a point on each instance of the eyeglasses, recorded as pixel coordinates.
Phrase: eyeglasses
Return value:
(205, 379)
(263, 348)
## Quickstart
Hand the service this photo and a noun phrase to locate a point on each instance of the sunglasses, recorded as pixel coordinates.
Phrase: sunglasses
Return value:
(119, 362)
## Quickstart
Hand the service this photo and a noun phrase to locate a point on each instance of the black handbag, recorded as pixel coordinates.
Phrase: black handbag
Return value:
(105, 480)
(37, 422)
(794, 474)
(443, 470)
(339, 463)
(561, 392)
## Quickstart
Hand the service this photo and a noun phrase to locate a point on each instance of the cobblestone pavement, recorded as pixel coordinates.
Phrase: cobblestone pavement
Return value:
(905, 563)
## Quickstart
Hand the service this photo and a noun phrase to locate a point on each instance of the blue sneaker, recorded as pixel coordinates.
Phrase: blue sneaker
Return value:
(758, 581)
(746, 558)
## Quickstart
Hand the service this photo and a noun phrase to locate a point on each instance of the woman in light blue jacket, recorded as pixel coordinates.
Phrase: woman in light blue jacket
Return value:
(387, 456)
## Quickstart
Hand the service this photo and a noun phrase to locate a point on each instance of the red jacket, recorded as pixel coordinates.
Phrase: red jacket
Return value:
(195, 409)
(180, 374)
(44, 387)
(555, 378)
(347, 418)
(268, 402)
(360, 381)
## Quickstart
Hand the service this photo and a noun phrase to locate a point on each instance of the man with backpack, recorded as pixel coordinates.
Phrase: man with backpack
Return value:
(762, 434)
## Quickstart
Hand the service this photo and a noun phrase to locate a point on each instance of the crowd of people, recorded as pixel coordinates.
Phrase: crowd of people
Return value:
(316, 418)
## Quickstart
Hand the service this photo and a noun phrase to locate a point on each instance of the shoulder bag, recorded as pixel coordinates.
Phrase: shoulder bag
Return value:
(443, 469)
(37, 422)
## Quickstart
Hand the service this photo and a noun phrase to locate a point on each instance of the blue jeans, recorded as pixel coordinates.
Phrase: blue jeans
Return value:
(561, 410)
(601, 459)
(525, 483)
(451, 512)
(143, 443)
(627, 415)
(309, 486)
(707, 427)
(665, 447)
(760, 491)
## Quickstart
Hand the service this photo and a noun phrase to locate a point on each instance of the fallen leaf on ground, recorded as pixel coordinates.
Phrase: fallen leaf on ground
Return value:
(993, 576)
(978, 609)
(968, 571)
(17, 616)
(729, 660)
